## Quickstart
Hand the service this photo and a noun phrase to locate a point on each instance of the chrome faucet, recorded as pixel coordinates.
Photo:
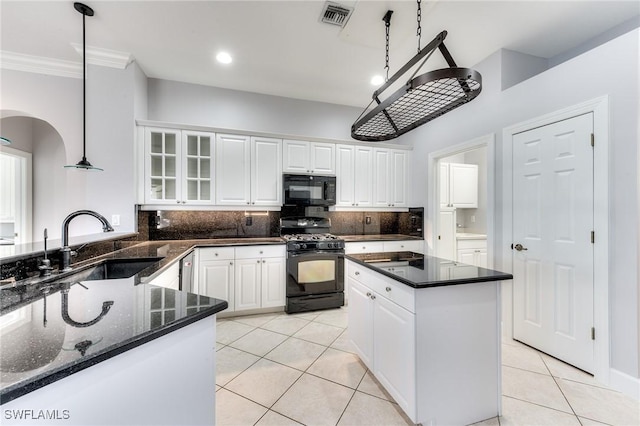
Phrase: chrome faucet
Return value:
(66, 251)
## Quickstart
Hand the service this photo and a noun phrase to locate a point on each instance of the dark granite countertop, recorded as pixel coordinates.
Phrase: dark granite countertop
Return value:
(419, 271)
(53, 327)
(64, 327)
(378, 237)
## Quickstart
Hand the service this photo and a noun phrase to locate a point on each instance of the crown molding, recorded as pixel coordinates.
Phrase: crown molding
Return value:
(39, 64)
(105, 57)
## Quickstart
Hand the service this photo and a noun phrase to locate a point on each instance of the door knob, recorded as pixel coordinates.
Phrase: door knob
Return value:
(520, 247)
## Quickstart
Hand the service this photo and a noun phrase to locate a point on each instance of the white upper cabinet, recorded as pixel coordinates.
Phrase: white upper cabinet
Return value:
(309, 157)
(390, 177)
(233, 170)
(248, 171)
(178, 167)
(459, 185)
(197, 164)
(354, 170)
(266, 171)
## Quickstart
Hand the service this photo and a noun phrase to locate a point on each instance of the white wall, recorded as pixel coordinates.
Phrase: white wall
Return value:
(610, 69)
(112, 97)
(211, 106)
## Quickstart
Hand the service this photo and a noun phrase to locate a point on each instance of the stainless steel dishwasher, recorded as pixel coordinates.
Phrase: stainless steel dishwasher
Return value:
(186, 272)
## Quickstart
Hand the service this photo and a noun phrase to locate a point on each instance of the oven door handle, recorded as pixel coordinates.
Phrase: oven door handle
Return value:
(337, 253)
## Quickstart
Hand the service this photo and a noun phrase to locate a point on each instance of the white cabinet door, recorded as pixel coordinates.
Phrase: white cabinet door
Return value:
(363, 176)
(467, 256)
(233, 170)
(444, 185)
(354, 170)
(247, 284)
(463, 185)
(309, 157)
(215, 279)
(459, 185)
(360, 314)
(198, 167)
(390, 177)
(395, 369)
(266, 171)
(296, 156)
(381, 177)
(162, 171)
(446, 242)
(399, 178)
(322, 159)
(345, 175)
(273, 282)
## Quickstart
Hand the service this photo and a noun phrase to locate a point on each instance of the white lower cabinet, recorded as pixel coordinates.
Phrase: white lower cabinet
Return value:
(249, 277)
(472, 252)
(383, 333)
(214, 275)
(434, 350)
(259, 280)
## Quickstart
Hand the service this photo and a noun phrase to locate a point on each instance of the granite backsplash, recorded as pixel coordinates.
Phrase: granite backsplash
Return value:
(181, 225)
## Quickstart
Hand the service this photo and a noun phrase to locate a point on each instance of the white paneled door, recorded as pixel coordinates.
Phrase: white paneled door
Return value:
(552, 246)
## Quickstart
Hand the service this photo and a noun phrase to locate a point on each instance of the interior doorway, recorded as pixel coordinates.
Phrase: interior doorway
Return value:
(461, 218)
(15, 196)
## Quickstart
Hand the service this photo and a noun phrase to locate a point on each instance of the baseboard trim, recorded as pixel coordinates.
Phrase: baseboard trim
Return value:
(625, 383)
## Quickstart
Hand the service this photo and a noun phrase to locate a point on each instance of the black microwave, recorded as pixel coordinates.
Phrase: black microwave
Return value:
(306, 190)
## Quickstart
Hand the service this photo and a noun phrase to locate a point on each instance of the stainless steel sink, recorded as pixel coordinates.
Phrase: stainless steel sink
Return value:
(112, 269)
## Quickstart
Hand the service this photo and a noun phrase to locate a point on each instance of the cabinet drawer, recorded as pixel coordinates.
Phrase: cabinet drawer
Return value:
(364, 247)
(472, 244)
(252, 252)
(398, 293)
(385, 287)
(216, 253)
(414, 246)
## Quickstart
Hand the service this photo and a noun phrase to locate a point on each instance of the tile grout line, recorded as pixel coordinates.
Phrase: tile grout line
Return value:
(560, 389)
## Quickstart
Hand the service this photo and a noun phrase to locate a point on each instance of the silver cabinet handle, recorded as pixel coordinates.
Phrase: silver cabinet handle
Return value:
(258, 260)
(368, 294)
(264, 261)
(216, 254)
(357, 273)
(520, 247)
(388, 289)
(230, 263)
(373, 297)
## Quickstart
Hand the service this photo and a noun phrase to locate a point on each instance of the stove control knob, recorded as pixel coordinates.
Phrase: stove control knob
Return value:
(303, 246)
(296, 246)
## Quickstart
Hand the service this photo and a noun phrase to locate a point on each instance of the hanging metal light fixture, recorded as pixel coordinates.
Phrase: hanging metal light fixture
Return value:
(422, 98)
(4, 141)
(84, 164)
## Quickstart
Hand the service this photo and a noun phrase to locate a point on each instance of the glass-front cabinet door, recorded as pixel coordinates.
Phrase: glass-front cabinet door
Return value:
(198, 161)
(162, 168)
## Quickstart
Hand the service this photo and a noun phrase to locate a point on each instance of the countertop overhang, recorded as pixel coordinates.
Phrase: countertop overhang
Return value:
(420, 271)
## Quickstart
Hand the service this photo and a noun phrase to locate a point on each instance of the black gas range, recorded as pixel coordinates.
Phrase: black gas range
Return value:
(315, 264)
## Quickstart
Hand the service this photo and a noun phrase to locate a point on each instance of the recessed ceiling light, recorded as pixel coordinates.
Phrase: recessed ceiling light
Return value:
(224, 58)
(377, 80)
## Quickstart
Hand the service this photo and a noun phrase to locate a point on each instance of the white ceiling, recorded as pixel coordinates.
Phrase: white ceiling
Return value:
(281, 48)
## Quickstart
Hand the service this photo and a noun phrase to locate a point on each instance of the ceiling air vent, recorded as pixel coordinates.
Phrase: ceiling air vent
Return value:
(335, 14)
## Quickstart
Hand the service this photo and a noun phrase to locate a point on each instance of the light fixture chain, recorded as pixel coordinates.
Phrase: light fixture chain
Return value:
(419, 30)
(386, 56)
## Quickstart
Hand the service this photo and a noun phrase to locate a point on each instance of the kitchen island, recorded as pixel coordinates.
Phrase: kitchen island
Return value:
(106, 351)
(429, 330)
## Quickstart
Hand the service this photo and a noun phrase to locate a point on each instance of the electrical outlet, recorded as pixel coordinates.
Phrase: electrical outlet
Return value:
(115, 220)
(473, 219)
(249, 221)
(367, 220)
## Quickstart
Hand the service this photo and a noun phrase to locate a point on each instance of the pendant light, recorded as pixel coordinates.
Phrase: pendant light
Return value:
(421, 98)
(84, 164)
(4, 141)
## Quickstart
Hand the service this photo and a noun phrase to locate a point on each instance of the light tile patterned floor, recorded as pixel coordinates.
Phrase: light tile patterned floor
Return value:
(278, 369)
